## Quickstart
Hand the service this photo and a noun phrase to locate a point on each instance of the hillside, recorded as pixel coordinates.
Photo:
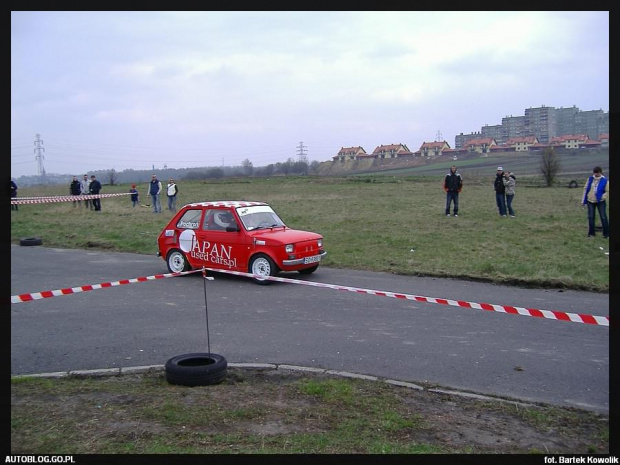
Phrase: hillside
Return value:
(576, 164)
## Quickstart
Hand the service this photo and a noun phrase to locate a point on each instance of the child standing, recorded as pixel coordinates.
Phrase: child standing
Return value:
(135, 198)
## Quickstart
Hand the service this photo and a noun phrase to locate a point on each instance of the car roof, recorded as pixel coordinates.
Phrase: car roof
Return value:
(225, 203)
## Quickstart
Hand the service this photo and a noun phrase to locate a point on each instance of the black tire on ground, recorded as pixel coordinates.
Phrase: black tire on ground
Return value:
(310, 270)
(197, 369)
(31, 241)
(573, 183)
(176, 261)
(263, 265)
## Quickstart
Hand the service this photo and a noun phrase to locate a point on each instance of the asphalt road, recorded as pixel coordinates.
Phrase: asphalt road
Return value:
(487, 352)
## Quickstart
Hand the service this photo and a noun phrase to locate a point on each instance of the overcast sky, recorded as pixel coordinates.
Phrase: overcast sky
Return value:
(141, 89)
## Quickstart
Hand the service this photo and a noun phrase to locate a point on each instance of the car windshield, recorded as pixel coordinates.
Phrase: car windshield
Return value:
(259, 217)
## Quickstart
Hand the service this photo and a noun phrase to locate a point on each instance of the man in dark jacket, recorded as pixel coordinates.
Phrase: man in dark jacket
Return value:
(14, 194)
(452, 184)
(95, 187)
(500, 192)
(75, 188)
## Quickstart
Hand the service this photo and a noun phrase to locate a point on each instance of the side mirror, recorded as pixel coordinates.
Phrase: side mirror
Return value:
(232, 228)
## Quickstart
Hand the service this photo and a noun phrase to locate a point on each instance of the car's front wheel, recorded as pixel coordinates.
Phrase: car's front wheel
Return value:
(262, 265)
(176, 261)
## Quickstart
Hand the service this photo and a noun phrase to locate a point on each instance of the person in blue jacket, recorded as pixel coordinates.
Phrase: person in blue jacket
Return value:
(595, 193)
(154, 192)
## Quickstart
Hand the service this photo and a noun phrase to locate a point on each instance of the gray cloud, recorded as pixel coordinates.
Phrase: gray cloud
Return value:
(151, 84)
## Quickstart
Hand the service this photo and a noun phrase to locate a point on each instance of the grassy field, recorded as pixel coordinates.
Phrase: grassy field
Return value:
(383, 223)
(270, 412)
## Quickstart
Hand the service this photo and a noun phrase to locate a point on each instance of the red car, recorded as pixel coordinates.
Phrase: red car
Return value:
(240, 236)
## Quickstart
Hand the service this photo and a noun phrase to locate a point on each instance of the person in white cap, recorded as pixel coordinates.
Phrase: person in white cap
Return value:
(500, 192)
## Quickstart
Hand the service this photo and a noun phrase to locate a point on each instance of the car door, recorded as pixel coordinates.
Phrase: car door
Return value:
(220, 247)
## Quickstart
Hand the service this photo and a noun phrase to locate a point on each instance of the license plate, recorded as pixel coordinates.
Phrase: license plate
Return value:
(316, 258)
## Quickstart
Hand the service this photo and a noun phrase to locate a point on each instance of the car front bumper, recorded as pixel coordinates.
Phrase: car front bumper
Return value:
(303, 261)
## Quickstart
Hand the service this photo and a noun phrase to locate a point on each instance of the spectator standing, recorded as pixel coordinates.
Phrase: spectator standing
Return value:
(595, 194)
(75, 188)
(452, 184)
(14, 194)
(135, 197)
(510, 184)
(85, 189)
(500, 191)
(154, 192)
(172, 191)
(95, 188)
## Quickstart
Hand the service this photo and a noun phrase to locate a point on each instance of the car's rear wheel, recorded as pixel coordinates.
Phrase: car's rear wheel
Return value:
(310, 270)
(262, 265)
(176, 261)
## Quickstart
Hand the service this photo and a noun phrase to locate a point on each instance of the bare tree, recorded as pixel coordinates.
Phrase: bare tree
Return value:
(314, 166)
(112, 176)
(549, 165)
(248, 168)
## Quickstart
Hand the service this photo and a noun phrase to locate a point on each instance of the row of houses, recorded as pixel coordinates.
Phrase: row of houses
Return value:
(483, 146)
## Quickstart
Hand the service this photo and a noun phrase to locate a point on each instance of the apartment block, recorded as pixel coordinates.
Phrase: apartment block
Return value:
(541, 123)
(493, 132)
(544, 123)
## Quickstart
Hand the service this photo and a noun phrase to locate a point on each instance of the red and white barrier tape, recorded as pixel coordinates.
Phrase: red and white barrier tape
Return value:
(549, 314)
(61, 198)
(16, 299)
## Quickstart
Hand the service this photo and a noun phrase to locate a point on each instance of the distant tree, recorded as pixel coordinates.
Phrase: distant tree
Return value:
(215, 173)
(285, 168)
(112, 176)
(281, 168)
(266, 170)
(549, 165)
(300, 167)
(248, 168)
(314, 166)
(193, 175)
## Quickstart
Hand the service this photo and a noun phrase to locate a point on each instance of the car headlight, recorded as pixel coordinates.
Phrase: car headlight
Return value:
(320, 243)
(289, 248)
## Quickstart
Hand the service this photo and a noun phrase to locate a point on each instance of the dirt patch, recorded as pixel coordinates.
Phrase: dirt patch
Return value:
(283, 411)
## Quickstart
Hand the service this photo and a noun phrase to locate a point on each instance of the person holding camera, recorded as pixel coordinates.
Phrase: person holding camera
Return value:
(510, 185)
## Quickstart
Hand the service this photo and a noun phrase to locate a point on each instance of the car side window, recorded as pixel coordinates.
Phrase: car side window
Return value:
(190, 220)
(211, 221)
(218, 220)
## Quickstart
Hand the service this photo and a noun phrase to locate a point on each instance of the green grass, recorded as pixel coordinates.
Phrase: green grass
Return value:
(384, 223)
(253, 413)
